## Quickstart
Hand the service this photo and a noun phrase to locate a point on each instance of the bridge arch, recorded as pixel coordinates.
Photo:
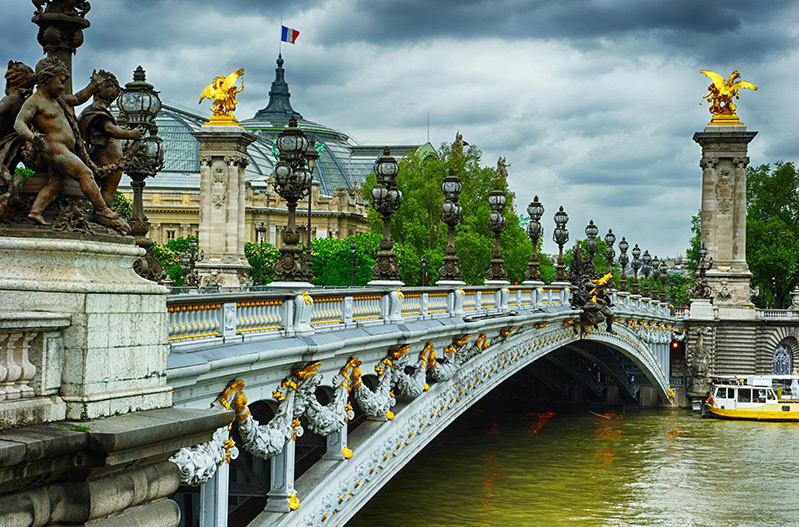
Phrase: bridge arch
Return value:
(777, 337)
(331, 492)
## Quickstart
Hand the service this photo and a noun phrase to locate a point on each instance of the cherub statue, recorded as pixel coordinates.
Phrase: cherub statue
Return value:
(222, 91)
(46, 121)
(101, 134)
(20, 81)
(721, 92)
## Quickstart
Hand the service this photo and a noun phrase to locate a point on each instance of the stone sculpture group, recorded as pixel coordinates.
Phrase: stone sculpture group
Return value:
(41, 130)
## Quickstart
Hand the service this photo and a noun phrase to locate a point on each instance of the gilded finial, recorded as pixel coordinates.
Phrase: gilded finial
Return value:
(222, 91)
(720, 94)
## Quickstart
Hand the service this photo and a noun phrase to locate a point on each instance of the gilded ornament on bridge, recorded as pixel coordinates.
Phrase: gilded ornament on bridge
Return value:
(720, 94)
(222, 91)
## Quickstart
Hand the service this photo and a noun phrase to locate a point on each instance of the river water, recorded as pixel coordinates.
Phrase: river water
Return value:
(509, 465)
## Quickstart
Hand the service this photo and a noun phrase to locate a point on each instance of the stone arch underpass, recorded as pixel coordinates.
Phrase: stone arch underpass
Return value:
(473, 357)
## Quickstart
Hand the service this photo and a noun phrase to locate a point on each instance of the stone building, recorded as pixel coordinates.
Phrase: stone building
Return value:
(171, 199)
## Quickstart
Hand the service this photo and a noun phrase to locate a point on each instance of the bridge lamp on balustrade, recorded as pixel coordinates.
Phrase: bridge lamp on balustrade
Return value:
(452, 214)
(496, 222)
(610, 239)
(139, 105)
(623, 261)
(386, 199)
(664, 273)
(535, 231)
(560, 236)
(646, 269)
(636, 264)
(311, 156)
(591, 245)
(655, 269)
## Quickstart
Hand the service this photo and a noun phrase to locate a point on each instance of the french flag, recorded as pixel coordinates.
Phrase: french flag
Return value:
(289, 35)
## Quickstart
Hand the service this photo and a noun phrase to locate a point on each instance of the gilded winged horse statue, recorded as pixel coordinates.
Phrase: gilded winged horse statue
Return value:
(222, 91)
(720, 95)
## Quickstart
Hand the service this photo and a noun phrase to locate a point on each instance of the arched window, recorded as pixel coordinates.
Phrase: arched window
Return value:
(782, 360)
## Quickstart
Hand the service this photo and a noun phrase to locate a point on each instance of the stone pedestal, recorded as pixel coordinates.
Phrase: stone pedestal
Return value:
(723, 213)
(701, 309)
(223, 159)
(114, 350)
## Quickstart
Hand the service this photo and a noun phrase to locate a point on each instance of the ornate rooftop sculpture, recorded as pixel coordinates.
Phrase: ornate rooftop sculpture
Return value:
(720, 94)
(222, 91)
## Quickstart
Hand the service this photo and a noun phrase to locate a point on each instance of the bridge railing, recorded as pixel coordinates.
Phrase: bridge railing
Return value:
(274, 314)
(31, 357)
(777, 314)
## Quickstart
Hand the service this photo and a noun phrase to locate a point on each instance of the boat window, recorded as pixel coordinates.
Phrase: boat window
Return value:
(721, 393)
(744, 395)
(771, 395)
(761, 396)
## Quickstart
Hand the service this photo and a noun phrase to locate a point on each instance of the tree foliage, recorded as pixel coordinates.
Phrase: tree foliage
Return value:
(419, 229)
(262, 258)
(772, 215)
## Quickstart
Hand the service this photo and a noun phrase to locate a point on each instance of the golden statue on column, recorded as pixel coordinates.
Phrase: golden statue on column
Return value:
(720, 94)
(222, 91)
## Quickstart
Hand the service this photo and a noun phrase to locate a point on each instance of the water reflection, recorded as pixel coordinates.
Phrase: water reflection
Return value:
(523, 467)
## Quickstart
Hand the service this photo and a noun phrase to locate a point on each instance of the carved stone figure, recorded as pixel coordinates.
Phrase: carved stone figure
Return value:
(377, 403)
(46, 121)
(20, 80)
(699, 368)
(502, 168)
(101, 134)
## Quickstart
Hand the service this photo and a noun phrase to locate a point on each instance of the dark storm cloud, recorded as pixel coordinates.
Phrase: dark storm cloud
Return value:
(401, 20)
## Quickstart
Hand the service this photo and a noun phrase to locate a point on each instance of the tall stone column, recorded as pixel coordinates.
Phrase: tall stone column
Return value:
(223, 159)
(723, 215)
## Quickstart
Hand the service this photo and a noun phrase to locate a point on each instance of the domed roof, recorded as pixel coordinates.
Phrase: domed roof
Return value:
(342, 164)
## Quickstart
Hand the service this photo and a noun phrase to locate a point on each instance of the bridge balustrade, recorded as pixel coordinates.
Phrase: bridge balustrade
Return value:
(31, 355)
(210, 316)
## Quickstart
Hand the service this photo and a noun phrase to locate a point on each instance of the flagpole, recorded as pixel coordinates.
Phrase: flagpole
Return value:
(280, 46)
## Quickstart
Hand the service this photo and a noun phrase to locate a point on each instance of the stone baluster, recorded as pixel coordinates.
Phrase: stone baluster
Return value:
(13, 370)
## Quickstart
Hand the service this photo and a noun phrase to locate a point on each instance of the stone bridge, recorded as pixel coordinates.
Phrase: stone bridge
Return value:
(346, 386)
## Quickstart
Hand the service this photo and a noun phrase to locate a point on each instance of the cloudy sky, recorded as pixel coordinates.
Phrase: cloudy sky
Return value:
(593, 102)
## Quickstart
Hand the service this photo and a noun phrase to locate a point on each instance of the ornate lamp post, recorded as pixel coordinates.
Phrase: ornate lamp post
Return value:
(353, 248)
(655, 269)
(560, 236)
(139, 105)
(664, 274)
(261, 230)
(636, 264)
(452, 214)
(591, 245)
(701, 290)
(386, 199)
(610, 239)
(188, 261)
(646, 269)
(292, 182)
(496, 222)
(535, 231)
(311, 156)
(623, 261)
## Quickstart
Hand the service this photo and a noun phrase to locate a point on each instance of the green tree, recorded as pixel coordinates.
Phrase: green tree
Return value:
(772, 215)
(122, 205)
(170, 256)
(334, 263)
(692, 253)
(418, 228)
(262, 258)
